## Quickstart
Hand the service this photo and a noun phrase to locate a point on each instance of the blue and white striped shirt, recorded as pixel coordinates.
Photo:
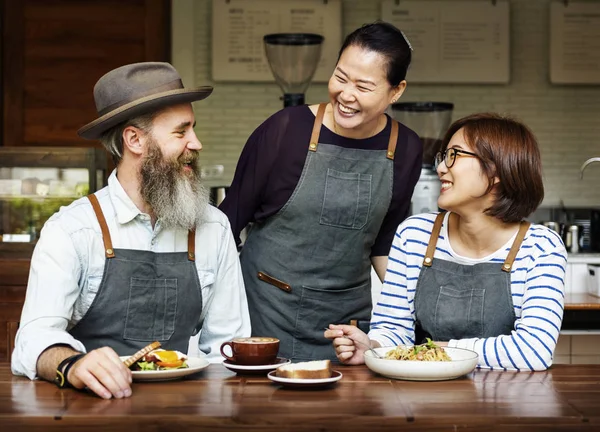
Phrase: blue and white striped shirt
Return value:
(537, 285)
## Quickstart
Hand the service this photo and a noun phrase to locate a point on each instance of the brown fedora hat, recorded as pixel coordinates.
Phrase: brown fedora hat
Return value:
(135, 89)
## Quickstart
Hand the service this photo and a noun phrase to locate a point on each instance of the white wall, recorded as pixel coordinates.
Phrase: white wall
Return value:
(566, 119)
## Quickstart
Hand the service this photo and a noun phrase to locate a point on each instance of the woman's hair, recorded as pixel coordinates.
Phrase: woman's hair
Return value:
(387, 40)
(112, 139)
(507, 149)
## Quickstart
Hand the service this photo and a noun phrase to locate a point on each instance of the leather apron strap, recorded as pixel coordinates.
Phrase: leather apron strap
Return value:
(314, 138)
(510, 258)
(437, 226)
(108, 248)
(508, 262)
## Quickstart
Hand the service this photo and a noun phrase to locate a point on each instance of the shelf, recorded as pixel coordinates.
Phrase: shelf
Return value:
(581, 301)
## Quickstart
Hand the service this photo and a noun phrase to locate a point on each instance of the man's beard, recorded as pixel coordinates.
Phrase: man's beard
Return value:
(175, 194)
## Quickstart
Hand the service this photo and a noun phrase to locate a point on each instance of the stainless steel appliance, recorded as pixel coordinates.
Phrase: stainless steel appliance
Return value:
(293, 58)
(430, 120)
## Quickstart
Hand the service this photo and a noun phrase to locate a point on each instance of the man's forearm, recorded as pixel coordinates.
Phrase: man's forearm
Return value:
(49, 360)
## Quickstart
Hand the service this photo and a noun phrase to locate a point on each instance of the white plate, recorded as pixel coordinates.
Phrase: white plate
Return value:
(196, 364)
(305, 383)
(463, 362)
(255, 369)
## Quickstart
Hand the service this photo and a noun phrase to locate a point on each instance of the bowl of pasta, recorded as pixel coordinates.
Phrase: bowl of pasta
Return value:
(426, 362)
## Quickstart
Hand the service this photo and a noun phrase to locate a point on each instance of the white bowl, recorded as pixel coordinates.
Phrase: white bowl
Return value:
(463, 362)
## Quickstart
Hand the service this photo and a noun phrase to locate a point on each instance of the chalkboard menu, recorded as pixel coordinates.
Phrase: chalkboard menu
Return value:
(238, 27)
(454, 42)
(575, 42)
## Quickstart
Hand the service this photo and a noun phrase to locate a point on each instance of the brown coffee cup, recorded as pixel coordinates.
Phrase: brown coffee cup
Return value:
(253, 350)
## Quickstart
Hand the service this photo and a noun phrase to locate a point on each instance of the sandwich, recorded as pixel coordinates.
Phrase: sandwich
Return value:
(152, 358)
(316, 369)
(160, 359)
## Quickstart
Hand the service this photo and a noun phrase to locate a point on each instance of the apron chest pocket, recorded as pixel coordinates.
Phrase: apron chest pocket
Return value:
(151, 309)
(459, 313)
(347, 199)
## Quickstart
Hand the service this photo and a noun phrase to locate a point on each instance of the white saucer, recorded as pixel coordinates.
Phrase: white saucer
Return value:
(255, 369)
(305, 383)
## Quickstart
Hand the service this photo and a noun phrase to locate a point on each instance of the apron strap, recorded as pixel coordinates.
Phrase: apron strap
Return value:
(437, 226)
(192, 245)
(314, 138)
(108, 248)
(393, 139)
(510, 258)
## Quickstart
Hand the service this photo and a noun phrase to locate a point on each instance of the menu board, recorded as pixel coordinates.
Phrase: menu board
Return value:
(454, 42)
(238, 27)
(574, 42)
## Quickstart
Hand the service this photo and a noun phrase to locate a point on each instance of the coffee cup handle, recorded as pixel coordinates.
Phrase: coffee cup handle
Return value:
(230, 345)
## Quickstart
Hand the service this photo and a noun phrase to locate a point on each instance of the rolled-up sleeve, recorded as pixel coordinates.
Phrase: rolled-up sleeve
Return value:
(52, 290)
(227, 314)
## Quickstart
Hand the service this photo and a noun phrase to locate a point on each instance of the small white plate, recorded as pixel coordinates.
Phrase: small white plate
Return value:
(255, 369)
(196, 364)
(305, 383)
(463, 361)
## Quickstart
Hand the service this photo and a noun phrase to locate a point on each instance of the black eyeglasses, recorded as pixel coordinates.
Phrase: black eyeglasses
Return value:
(449, 156)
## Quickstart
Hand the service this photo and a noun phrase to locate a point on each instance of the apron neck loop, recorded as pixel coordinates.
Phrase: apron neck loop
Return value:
(108, 248)
(314, 138)
(437, 226)
(510, 258)
(192, 245)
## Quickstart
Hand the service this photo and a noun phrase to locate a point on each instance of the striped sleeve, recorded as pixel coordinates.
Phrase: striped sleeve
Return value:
(539, 309)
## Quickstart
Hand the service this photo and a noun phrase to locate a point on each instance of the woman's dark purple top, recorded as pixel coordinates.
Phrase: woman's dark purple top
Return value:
(273, 158)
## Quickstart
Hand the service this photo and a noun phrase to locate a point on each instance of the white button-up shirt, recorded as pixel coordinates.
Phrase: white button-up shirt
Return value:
(68, 263)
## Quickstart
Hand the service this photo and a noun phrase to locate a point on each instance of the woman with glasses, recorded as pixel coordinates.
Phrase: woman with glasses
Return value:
(477, 275)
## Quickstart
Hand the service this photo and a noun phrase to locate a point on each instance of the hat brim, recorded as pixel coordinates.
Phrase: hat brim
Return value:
(96, 128)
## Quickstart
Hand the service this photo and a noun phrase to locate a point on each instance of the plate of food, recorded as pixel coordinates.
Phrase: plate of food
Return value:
(153, 363)
(426, 362)
(310, 374)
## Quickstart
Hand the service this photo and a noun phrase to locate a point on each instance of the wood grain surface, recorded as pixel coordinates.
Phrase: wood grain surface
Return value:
(567, 397)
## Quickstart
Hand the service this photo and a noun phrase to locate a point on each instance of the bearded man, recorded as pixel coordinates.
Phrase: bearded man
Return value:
(144, 259)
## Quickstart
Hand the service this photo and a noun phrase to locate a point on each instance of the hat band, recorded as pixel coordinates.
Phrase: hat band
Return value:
(173, 85)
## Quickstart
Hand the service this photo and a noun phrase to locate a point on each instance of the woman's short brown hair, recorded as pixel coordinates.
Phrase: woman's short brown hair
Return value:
(507, 149)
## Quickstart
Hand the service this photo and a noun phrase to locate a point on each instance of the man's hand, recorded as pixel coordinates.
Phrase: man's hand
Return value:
(103, 372)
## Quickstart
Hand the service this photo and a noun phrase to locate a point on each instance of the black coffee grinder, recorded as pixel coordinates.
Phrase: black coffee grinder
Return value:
(293, 58)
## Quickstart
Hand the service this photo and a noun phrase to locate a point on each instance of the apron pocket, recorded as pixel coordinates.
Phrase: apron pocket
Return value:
(347, 199)
(151, 309)
(320, 307)
(459, 313)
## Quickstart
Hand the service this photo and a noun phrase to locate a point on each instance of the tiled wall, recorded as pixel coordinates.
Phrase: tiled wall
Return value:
(578, 349)
(566, 119)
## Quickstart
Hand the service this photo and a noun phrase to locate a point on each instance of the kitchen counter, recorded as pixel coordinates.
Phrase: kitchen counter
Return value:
(566, 397)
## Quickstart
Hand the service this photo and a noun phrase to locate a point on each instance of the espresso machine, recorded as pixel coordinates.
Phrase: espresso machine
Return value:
(429, 120)
(293, 59)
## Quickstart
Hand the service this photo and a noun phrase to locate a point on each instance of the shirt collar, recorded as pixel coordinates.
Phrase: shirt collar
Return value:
(125, 209)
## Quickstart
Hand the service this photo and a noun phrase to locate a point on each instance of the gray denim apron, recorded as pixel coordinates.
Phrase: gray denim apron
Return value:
(309, 265)
(143, 297)
(456, 301)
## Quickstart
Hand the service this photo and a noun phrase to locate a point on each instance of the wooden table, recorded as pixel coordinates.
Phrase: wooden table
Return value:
(567, 397)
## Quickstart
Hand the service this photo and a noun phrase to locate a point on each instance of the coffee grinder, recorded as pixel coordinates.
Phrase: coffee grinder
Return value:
(293, 58)
(429, 120)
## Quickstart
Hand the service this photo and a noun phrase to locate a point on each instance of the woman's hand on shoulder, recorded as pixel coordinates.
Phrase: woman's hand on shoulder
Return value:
(349, 342)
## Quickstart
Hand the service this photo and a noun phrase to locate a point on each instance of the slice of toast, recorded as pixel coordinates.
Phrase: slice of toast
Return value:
(130, 361)
(305, 370)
